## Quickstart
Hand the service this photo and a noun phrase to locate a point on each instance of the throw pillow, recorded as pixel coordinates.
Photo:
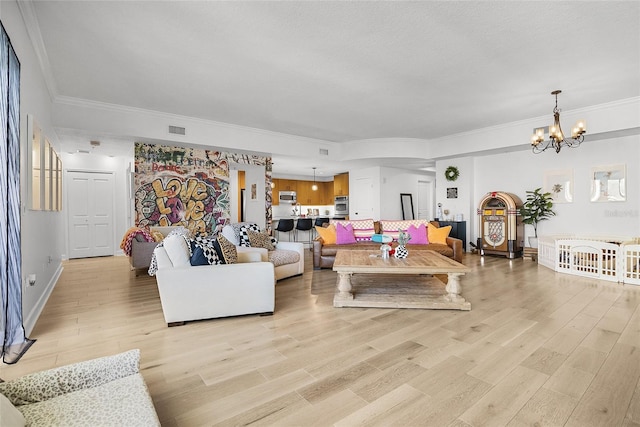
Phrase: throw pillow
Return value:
(203, 251)
(418, 234)
(328, 234)
(393, 227)
(243, 236)
(226, 250)
(438, 234)
(178, 250)
(260, 240)
(363, 229)
(344, 234)
(197, 256)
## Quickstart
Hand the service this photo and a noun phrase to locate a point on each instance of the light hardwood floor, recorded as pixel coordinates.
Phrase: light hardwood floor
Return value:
(537, 348)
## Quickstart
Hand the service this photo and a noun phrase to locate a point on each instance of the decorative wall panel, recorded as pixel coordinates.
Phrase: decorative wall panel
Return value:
(188, 186)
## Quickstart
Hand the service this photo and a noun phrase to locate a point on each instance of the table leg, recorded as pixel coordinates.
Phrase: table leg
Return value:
(344, 286)
(454, 288)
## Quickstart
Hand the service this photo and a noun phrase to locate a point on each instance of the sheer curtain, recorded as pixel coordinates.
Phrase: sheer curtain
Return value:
(14, 341)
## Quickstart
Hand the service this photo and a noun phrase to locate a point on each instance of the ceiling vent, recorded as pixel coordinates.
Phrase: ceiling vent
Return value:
(177, 130)
(324, 151)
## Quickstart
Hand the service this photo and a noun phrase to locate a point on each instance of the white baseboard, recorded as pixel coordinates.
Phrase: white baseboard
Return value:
(29, 321)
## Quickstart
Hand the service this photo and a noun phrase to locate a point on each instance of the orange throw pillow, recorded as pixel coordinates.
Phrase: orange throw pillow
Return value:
(438, 234)
(328, 234)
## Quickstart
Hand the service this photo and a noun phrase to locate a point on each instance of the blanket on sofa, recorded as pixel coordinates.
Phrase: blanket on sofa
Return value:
(131, 234)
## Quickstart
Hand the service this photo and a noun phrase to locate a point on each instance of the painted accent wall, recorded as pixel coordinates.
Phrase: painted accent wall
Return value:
(190, 187)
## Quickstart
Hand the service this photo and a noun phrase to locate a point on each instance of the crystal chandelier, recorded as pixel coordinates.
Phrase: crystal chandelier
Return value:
(556, 137)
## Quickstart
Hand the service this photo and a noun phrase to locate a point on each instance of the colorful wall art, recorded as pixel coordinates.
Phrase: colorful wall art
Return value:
(188, 186)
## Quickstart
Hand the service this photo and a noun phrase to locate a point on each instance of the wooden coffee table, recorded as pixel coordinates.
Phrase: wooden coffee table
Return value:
(365, 279)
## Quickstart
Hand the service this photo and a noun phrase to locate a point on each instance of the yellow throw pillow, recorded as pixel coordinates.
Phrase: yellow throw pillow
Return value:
(328, 234)
(438, 234)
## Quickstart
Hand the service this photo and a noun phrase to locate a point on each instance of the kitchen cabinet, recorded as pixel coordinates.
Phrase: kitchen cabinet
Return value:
(341, 184)
(327, 193)
(288, 185)
(275, 190)
(306, 196)
(323, 196)
(304, 192)
(458, 230)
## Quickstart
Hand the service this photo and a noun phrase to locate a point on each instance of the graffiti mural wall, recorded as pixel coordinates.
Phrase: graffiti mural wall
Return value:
(188, 186)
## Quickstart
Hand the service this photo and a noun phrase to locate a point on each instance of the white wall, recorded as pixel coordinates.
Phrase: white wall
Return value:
(42, 236)
(394, 182)
(387, 183)
(517, 172)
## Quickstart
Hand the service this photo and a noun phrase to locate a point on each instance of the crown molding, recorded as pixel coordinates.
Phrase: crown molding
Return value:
(633, 101)
(30, 19)
(177, 119)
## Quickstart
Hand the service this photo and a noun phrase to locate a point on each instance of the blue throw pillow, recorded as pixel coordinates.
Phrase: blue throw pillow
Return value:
(198, 257)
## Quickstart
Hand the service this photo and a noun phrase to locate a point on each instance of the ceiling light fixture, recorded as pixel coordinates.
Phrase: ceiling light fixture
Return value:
(556, 137)
(314, 187)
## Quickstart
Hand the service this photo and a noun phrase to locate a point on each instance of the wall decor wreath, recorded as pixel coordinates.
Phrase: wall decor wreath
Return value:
(451, 173)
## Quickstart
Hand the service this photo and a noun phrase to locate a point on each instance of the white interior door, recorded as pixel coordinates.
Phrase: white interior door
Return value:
(361, 199)
(425, 200)
(91, 200)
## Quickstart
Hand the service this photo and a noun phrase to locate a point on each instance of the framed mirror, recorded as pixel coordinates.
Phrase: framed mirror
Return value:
(406, 202)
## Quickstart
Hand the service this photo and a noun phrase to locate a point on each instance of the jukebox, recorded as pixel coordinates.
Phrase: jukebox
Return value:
(500, 225)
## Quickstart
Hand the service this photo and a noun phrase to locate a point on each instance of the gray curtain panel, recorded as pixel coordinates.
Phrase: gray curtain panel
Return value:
(14, 341)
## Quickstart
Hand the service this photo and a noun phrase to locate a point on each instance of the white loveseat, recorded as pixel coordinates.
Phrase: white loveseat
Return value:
(108, 391)
(282, 271)
(211, 291)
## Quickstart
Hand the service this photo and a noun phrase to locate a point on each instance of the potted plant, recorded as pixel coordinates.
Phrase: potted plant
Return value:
(538, 207)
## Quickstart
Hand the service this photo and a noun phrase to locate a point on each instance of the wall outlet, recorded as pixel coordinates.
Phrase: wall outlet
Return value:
(31, 279)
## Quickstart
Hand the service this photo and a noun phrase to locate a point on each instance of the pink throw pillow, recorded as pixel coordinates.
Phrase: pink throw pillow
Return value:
(344, 235)
(418, 234)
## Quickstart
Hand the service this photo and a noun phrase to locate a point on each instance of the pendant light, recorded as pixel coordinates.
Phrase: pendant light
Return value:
(314, 187)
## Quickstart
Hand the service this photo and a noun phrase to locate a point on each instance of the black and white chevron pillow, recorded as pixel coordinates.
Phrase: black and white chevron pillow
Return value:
(244, 236)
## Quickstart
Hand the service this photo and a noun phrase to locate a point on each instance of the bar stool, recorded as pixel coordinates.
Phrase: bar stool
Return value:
(304, 224)
(285, 226)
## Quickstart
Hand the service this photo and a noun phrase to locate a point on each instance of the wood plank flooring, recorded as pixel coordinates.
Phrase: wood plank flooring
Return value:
(537, 348)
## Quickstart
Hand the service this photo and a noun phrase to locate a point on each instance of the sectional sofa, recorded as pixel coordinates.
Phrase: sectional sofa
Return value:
(324, 254)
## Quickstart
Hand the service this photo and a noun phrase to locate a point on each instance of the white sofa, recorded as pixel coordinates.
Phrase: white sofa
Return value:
(281, 271)
(212, 291)
(99, 392)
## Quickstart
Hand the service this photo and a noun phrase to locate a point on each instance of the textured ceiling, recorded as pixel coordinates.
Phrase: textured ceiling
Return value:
(342, 71)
